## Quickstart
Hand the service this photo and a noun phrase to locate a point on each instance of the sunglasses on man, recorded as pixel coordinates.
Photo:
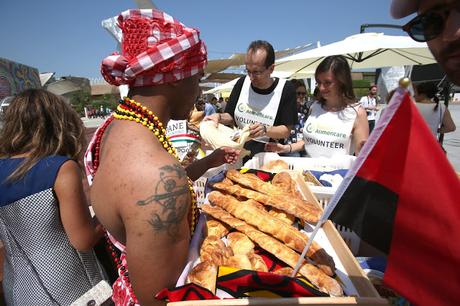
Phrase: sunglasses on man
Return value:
(429, 25)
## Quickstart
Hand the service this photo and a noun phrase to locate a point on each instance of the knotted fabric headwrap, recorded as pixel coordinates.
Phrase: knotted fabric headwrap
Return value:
(156, 49)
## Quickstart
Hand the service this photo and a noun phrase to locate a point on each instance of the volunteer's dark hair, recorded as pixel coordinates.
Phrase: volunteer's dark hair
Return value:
(338, 65)
(430, 90)
(264, 45)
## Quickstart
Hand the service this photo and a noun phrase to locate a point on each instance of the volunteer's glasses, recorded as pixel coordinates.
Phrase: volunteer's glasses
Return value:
(429, 25)
(301, 93)
(254, 73)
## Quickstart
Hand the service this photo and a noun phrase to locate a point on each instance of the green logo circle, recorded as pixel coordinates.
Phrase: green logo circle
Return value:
(310, 128)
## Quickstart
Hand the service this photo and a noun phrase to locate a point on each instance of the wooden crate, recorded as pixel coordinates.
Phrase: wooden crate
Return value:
(367, 294)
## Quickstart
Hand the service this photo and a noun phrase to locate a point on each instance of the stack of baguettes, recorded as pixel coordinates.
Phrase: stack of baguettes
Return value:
(263, 214)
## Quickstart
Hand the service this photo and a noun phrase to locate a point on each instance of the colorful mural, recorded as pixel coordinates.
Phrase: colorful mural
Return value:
(16, 77)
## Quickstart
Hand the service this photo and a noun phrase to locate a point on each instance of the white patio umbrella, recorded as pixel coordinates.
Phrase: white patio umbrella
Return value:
(365, 50)
(226, 87)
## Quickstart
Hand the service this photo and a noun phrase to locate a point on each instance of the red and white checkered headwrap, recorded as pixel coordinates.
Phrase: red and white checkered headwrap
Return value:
(156, 49)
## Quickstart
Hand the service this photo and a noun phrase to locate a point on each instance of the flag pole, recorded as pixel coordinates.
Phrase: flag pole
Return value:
(305, 249)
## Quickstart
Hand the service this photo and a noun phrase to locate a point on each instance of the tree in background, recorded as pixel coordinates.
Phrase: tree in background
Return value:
(79, 100)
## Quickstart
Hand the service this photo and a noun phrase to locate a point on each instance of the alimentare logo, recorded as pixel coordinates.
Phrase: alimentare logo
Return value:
(243, 107)
(310, 128)
(322, 129)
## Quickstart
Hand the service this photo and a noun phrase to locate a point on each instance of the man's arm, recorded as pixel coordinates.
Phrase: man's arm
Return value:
(156, 226)
(218, 157)
(360, 130)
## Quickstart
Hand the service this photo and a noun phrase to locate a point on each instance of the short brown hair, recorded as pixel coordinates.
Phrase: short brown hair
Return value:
(264, 45)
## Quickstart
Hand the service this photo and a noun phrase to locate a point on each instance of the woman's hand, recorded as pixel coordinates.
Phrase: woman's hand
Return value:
(276, 147)
(257, 130)
(214, 117)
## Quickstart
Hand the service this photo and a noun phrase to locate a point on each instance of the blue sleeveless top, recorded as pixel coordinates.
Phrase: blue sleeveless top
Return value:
(41, 267)
(39, 178)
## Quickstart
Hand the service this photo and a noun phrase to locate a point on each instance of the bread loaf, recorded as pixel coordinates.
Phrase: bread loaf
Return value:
(286, 271)
(240, 243)
(281, 215)
(278, 249)
(216, 228)
(275, 165)
(204, 274)
(240, 261)
(258, 264)
(285, 182)
(214, 250)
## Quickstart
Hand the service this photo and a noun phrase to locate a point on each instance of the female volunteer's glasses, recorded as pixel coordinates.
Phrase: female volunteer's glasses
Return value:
(429, 25)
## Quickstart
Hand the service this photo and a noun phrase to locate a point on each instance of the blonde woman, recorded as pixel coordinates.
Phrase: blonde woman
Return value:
(45, 225)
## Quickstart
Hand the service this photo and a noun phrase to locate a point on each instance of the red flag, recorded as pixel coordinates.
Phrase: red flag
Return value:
(402, 196)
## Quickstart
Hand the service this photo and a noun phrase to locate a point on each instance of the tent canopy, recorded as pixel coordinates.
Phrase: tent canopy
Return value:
(363, 51)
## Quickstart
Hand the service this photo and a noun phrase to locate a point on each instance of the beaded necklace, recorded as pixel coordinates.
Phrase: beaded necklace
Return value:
(130, 110)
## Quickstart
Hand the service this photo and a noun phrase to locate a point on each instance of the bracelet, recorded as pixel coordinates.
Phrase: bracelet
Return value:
(290, 148)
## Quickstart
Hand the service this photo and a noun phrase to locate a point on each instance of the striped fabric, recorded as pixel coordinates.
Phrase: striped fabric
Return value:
(156, 49)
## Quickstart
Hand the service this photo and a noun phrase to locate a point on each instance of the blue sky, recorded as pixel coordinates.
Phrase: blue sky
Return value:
(66, 36)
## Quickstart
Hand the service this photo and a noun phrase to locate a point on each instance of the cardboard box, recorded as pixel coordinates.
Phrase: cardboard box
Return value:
(365, 292)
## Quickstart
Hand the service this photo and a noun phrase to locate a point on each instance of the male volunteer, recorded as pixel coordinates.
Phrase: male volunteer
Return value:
(266, 104)
(369, 103)
(438, 23)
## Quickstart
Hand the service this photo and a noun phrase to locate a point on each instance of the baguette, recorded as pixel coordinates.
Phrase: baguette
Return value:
(278, 249)
(240, 261)
(240, 243)
(257, 262)
(216, 228)
(286, 271)
(214, 250)
(306, 212)
(266, 223)
(281, 215)
(284, 181)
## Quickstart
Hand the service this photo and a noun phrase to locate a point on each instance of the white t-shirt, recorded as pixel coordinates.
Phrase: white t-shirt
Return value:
(253, 107)
(328, 134)
(433, 117)
(367, 101)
